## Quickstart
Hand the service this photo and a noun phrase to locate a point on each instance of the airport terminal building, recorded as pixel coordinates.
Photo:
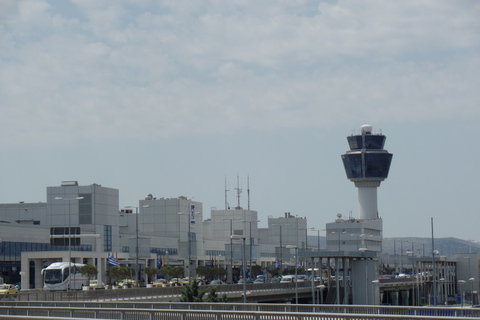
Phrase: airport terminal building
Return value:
(84, 224)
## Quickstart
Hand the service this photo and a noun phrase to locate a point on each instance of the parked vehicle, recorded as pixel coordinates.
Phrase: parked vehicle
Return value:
(7, 289)
(159, 282)
(127, 283)
(58, 276)
(95, 283)
(287, 279)
(216, 282)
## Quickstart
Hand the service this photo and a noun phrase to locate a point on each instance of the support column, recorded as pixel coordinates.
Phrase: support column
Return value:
(394, 297)
(344, 282)
(25, 276)
(101, 263)
(337, 279)
(38, 273)
(405, 297)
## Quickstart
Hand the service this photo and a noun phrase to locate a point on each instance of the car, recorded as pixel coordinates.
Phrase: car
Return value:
(259, 280)
(95, 283)
(175, 282)
(7, 289)
(241, 281)
(159, 282)
(216, 282)
(127, 282)
(287, 278)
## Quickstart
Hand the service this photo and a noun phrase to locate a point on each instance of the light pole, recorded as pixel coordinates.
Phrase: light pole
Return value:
(137, 266)
(362, 250)
(461, 282)
(471, 289)
(339, 233)
(69, 234)
(281, 257)
(374, 283)
(230, 279)
(243, 271)
(189, 244)
(251, 243)
(296, 278)
(321, 287)
(412, 254)
(469, 274)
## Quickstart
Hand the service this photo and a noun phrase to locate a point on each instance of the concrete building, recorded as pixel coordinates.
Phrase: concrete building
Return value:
(84, 224)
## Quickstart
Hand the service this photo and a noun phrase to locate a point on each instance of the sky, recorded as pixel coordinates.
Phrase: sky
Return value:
(175, 98)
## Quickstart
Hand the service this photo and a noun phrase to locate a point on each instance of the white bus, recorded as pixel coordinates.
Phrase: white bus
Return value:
(58, 277)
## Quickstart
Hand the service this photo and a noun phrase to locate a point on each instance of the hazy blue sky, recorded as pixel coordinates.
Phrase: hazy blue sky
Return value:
(172, 97)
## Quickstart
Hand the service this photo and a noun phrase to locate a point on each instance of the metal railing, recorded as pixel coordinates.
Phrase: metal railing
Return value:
(165, 293)
(444, 312)
(130, 313)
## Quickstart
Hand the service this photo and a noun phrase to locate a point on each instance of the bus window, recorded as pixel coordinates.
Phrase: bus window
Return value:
(53, 276)
(65, 274)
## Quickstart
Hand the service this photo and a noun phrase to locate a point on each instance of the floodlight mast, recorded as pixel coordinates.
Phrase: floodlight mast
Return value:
(69, 234)
(234, 236)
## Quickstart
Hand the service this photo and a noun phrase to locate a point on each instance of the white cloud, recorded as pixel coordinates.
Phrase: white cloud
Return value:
(223, 66)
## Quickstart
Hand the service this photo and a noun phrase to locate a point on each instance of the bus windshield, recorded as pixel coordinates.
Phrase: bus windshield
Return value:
(53, 276)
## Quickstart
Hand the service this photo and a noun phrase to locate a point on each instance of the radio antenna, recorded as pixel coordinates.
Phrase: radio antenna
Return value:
(239, 191)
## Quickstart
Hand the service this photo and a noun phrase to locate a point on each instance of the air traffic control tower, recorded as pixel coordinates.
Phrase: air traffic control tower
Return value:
(367, 165)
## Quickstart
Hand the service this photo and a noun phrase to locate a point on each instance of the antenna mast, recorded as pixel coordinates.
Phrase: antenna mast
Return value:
(226, 190)
(239, 191)
(248, 191)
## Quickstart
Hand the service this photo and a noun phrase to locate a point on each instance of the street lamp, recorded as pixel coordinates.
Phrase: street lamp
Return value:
(233, 236)
(189, 243)
(471, 289)
(412, 254)
(69, 234)
(252, 240)
(469, 274)
(339, 233)
(461, 282)
(296, 262)
(362, 250)
(321, 287)
(137, 268)
(229, 279)
(374, 283)
(281, 257)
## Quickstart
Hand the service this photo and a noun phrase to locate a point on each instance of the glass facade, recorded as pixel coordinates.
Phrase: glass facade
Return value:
(64, 231)
(85, 210)
(107, 238)
(377, 165)
(371, 157)
(371, 142)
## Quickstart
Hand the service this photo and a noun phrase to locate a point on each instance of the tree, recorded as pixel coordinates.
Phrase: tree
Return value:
(202, 271)
(115, 273)
(165, 271)
(150, 272)
(192, 293)
(256, 269)
(178, 272)
(89, 271)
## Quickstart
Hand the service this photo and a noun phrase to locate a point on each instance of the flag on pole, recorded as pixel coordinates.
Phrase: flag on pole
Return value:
(163, 261)
(277, 264)
(113, 261)
(159, 262)
(300, 264)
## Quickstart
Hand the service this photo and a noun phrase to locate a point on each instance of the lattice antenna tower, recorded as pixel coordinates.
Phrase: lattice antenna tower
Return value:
(239, 191)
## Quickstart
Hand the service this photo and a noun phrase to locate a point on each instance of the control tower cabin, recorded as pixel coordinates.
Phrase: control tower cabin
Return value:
(367, 165)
